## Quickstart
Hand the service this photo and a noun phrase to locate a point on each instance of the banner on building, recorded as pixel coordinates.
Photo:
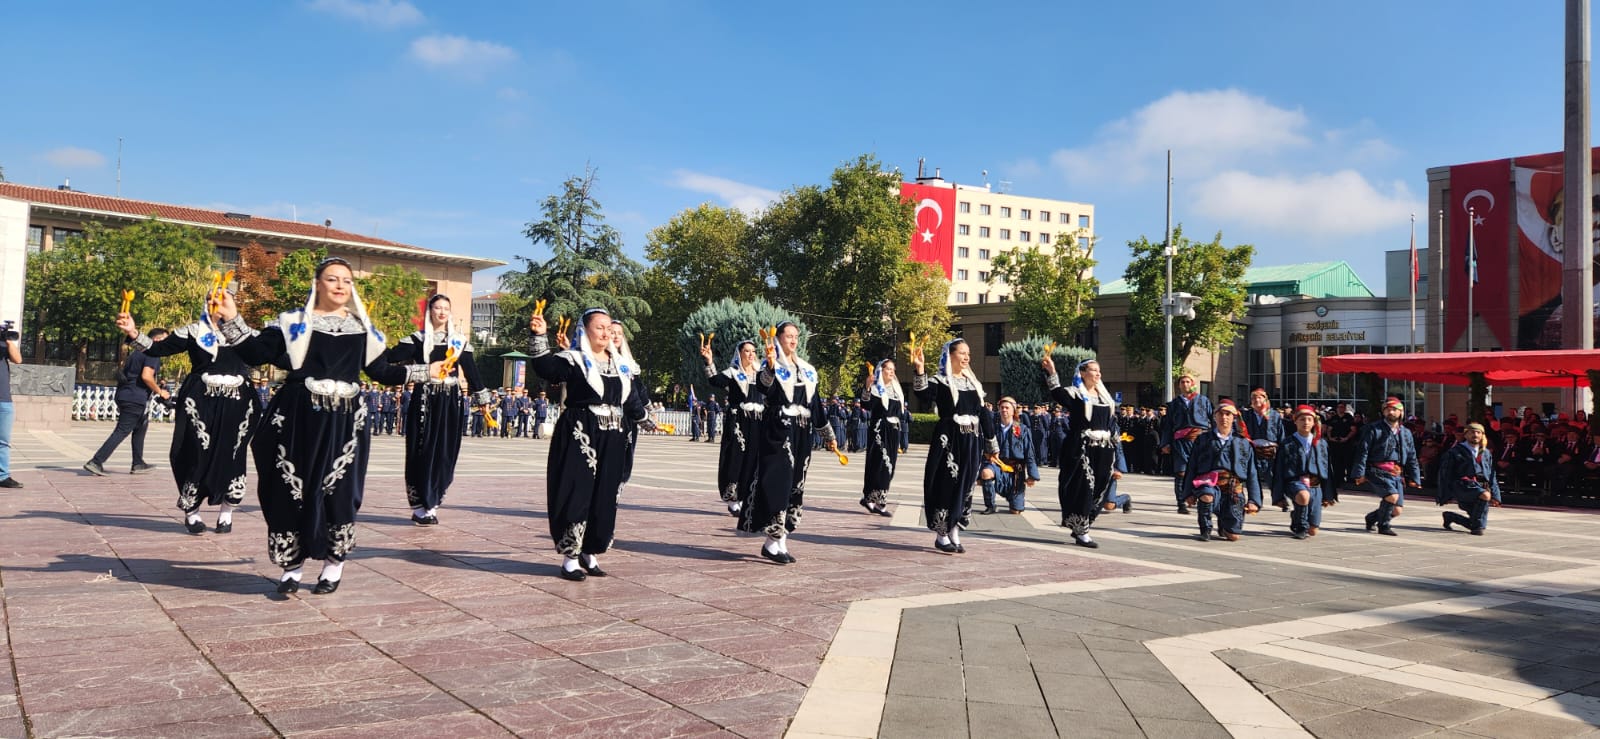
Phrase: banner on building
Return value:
(934, 240)
(1481, 208)
(1540, 208)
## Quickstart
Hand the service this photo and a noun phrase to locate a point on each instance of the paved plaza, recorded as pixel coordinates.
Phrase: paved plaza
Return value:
(117, 622)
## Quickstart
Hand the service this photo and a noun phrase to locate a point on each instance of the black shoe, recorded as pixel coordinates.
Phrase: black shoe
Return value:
(788, 558)
(225, 528)
(1203, 536)
(1372, 524)
(95, 468)
(325, 587)
(778, 557)
(1127, 507)
(1447, 526)
(10, 482)
(1386, 531)
(946, 548)
(988, 510)
(573, 575)
(960, 549)
(1085, 541)
(424, 520)
(885, 512)
(1477, 532)
(867, 504)
(287, 587)
(1301, 535)
(595, 570)
(196, 526)
(1183, 510)
(141, 467)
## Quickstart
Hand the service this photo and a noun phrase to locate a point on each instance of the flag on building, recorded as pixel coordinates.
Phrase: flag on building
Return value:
(1416, 269)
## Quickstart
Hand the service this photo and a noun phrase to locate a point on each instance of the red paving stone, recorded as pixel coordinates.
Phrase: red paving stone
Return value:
(119, 622)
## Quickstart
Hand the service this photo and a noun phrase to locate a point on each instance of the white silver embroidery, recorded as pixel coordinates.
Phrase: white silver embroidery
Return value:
(283, 548)
(571, 543)
(244, 428)
(949, 456)
(341, 539)
(236, 488)
(287, 472)
(941, 522)
(278, 419)
(738, 435)
(188, 497)
(347, 454)
(584, 446)
(193, 412)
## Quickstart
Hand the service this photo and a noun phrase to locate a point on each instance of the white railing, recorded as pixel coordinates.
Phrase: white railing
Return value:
(99, 403)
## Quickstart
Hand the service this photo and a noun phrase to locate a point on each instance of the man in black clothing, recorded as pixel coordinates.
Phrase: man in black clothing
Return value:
(1341, 435)
(136, 380)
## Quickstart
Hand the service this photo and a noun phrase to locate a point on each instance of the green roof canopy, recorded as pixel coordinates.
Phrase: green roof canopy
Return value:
(1333, 279)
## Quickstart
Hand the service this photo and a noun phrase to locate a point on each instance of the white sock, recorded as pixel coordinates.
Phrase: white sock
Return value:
(942, 540)
(1085, 537)
(293, 574)
(591, 559)
(419, 512)
(193, 516)
(433, 512)
(570, 565)
(226, 516)
(331, 571)
(783, 544)
(773, 545)
(955, 534)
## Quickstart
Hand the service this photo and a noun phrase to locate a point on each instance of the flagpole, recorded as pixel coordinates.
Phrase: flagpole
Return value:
(1411, 348)
(1472, 268)
(1439, 259)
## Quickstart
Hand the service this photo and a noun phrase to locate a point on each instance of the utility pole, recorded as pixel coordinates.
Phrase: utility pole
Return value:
(1577, 272)
(1166, 298)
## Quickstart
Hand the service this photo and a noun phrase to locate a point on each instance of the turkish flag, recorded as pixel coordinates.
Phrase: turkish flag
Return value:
(934, 239)
(1485, 189)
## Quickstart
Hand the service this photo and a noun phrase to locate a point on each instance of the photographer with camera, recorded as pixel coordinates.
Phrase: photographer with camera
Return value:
(136, 381)
(10, 354)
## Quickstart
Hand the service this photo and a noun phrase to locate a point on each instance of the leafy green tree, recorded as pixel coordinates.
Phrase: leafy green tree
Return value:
(732, 322)
(75, 289)
(1020, 374)
(391, 294)
(254, 275)
(291, 283)
(1208, 270)
(837, 256)
(586, 267)
(1052, 289)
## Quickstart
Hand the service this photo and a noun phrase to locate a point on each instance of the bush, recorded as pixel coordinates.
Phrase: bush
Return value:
(732, 322)
(922, 427)
(1020, 376)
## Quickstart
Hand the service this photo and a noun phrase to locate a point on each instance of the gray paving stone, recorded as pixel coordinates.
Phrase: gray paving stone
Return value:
(1000, 685)
(927, 680)
(923, 718)
(1166, 728)
(1557, 678)
(1357, 639)
(1159, 700)
(1132, 666)
(1366, 724)
(1079, 693)
(1095, 723)
(992, 720)
(1362, 691)
(1289, 675)
(1515, 724)
(1415, 651)
(1585, 661)
(1439, 709)
(1066, 662)
(1238, 658)
(1304, 707)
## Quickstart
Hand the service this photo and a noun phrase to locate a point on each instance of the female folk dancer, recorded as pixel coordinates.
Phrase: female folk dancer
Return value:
(1088, 456)
(776, 502)
(433, 423)
(963, 436)
(884, 402)
(311, 448)
(736, 464)
(216, 416)
(589, 446)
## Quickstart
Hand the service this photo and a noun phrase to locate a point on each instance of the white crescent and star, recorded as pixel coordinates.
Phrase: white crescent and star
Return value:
(927, 235)
(1466, 204)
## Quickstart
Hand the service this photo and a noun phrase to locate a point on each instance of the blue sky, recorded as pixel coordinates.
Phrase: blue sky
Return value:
(1305, 129)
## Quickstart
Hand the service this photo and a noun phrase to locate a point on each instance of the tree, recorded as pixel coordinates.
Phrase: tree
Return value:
(586, 267)
(256, 271)
(392, 294)
(837, 256)
(1210, 271)
(731, 322)
(1052, 290)
(291, 285)
(75, 289)
(1022, 378)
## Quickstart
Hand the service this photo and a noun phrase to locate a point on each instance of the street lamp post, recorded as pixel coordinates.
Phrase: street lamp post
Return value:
(1166, 297)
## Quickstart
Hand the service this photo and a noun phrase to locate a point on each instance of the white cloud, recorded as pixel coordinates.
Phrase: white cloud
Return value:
(72, 157)
(376, 13)
(748, 198)
(460, 53)
(511, 94)
(1205, 130)
(1313, 205)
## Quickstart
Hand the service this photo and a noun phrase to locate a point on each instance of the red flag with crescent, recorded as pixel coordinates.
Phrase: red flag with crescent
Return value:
(1481, 205)
(934, 239)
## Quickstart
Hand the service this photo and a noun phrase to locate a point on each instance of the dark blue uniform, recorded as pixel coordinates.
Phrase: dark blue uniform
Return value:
(1387, 457)
(1234, 456)
(1183, 414)
(1464, 476)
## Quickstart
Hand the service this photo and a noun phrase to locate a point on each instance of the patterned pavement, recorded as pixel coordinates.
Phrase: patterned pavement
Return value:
(117, 622)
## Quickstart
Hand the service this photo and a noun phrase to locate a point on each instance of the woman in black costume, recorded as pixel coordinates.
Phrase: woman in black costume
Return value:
(1089, 453)
(736, 465)
(963, 436)
(884, 400)
(793, 409)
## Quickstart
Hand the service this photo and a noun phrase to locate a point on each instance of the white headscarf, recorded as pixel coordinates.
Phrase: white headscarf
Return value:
(580, 356)
(203, 332)
(949, 380)
(296, 324)
(800, 372)
(452, 337)
(736, 368)
(1097, 395)
(887, 392)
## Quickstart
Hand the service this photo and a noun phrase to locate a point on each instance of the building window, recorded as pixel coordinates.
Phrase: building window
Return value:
(1066, 218)
(1089, 338)
(228, 257)
(961, 298)
(983, 232)
(1000, 277)
(983, 209)
(961, 251)
(35, 239)
(1028, 236)
(1005, 298)
(1083, 222)
(1044, 215)
(964, 206)
(59, 234)
(984, 277)
(961, 274)
(1026, 214)
(1044, 238)
(1005, 211)
(983, 298)
(963, 229)
(984, 254)
(1005, 234)
(994, 334)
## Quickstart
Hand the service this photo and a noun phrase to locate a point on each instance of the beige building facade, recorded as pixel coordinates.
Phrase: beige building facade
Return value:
(990, 223)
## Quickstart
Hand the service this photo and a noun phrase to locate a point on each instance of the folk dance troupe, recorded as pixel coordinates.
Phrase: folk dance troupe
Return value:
(311, 442)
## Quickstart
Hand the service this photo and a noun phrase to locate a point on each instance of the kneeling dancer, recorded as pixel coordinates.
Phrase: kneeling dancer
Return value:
(1305, 474)
(1466, 478)
(1222, 475)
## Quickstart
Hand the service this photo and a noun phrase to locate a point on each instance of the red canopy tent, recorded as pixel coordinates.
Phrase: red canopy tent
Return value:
(1563, 369)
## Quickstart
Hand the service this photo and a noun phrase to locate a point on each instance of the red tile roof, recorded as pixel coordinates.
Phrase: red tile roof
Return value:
(144, 209)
